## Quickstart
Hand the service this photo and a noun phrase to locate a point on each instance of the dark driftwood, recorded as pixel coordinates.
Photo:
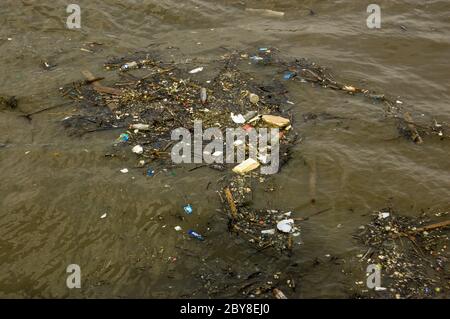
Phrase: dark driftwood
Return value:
(97, 86)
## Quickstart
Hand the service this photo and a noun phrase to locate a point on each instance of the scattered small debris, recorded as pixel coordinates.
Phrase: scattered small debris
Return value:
(410, 251)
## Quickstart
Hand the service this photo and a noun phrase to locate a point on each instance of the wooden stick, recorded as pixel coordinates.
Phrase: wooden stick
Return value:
(97, 86)
(433, 226)
(313, 214)
(425, 228)
(231, 203)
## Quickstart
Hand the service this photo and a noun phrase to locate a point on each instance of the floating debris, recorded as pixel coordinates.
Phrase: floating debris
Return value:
(138, 149)
(150, 172)
(246, 166)
(188, 209)
(412, 253)
(195, 235)
(196, 70)
(285, 225)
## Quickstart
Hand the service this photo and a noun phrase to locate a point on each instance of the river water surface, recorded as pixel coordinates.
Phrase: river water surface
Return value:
(55, 187)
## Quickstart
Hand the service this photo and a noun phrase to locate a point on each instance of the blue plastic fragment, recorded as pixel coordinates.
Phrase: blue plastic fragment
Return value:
(124, 137)
(288, 75)
(150, 172)
(188, 209)
(263, 49)
(195, 235)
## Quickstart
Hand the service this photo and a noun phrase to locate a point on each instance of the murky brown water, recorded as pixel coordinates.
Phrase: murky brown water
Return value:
(55, 187)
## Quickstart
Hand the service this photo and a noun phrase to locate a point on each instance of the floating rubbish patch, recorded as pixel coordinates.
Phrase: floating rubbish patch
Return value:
(410, 251)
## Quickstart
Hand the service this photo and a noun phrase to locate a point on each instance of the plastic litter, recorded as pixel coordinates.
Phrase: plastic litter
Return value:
(150, 172)
(238, 119)
(124, 170)
(277, 121)
(253, 98)
(246, 166)
(188, 209)
(129, 66)
(256, 58)
(196, 70)
(177, 228)
(203, 95)
(268, 231)
(278, 294)
(124, 137)
(267, 12)
(141, 127)
(250, 115)
(195, 235)
(289, 75)
(349, 88)
(138, 149)
(285, 225)
(382, 215)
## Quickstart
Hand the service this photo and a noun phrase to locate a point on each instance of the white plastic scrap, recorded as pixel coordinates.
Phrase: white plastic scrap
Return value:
(196, 70)
(124, 170)
(103, 216)
(382, 215)
(138, 149)
(177, 228)
(238, 119)
(285, 225)
(268, 231)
